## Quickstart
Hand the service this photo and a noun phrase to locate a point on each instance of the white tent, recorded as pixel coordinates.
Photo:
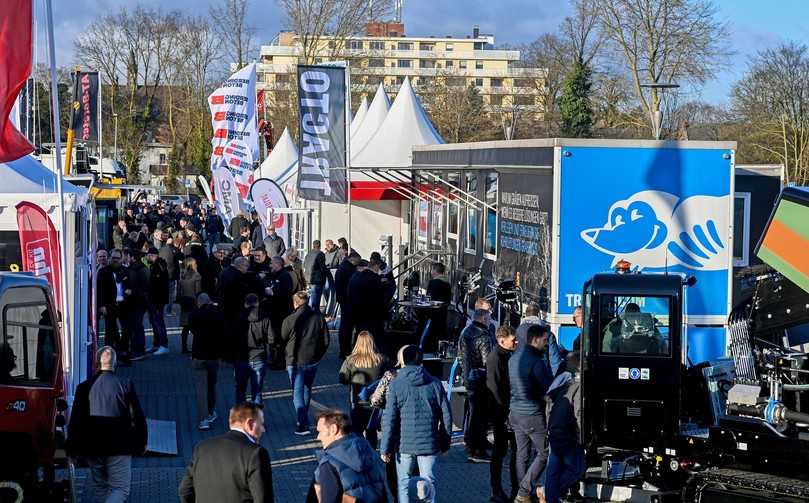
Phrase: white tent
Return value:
(282, 163)
(374, 118)
(359, 116)
(405, 125)
(26, 179)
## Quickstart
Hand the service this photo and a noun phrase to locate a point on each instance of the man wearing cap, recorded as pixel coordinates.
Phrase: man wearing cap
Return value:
(416, 423)
(158, 298)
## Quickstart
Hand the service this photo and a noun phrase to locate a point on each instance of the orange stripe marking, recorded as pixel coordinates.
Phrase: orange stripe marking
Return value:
(790, 246)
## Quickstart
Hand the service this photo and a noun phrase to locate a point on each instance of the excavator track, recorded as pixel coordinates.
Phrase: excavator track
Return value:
(728, 484)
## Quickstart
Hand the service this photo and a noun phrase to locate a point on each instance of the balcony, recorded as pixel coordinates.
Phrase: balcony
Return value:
(536, 73)
(493, 54)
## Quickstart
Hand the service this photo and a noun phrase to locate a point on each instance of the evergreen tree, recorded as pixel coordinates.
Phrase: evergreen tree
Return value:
(575, 109)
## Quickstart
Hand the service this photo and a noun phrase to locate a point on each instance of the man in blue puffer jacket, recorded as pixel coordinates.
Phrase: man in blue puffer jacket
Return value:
(349, 467)
(417, 421)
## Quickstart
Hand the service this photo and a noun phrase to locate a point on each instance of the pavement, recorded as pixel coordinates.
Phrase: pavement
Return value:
(166, 391)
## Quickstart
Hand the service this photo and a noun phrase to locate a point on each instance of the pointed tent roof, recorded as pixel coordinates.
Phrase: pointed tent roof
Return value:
(373, 119)
(406, 124)
(359, 116)
(282, 163)
(27, 179)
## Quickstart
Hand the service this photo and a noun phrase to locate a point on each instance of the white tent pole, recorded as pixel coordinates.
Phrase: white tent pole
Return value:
(348, 146)
(60, 191)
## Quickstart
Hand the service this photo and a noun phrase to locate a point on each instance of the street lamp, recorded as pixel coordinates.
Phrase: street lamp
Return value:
(115, 122)
(657, 115)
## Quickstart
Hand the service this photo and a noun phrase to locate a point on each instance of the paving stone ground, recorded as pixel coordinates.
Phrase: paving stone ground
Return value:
(166, 391)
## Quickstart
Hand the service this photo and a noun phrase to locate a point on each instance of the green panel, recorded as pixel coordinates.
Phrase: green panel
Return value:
(794, 216)
(784, 268)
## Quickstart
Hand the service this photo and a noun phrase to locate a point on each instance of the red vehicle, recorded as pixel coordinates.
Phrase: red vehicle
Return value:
(32, 403)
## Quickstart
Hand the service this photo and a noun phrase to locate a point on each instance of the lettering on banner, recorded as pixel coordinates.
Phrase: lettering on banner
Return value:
(315, 125)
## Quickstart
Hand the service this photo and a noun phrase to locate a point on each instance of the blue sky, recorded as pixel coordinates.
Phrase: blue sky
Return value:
(754, 24)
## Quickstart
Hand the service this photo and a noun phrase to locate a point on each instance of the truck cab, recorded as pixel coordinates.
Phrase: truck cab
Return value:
(631, 361)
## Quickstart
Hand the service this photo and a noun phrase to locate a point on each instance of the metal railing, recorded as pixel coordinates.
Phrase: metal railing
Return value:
(421, 261)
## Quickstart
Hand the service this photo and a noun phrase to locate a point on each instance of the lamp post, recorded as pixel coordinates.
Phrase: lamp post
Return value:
(657, 115)
(115, 126)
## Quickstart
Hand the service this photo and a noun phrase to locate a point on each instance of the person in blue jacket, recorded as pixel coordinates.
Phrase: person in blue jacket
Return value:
(417, 421)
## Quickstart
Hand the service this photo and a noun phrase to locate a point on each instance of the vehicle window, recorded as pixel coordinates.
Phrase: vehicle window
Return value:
(28, 354)
(635, 325)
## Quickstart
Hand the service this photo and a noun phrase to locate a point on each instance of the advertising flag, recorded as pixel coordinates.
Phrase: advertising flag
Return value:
(322, 106)
(260, 104)
(267, 195)
(15, 60)
(235, 133)
(84, 111)
(39, 244)
(227, 195)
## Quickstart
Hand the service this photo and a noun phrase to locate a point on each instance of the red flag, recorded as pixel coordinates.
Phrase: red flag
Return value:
(260, 104)
(40, 245)
(15, 63)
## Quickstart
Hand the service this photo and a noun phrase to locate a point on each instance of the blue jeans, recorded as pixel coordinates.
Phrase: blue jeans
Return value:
(530, 434)
(302, 377)
(404, 465)
(111, 476)
(331, 295)
(213, 238)
(564, 469)
(242, 372)
(160, 336)
(314, 297)
(259, 370)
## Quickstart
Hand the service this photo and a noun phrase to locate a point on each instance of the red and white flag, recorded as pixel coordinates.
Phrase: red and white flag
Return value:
(260, 104)
(39, 243)
(15, 62)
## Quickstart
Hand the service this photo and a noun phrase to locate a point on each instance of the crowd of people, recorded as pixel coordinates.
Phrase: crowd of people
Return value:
(254, 303)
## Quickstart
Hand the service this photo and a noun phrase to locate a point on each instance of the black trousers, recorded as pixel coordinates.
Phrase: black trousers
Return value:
(114, 336)
(504, 443)
(475, 420)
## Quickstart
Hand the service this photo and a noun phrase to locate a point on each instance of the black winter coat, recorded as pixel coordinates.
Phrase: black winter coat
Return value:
(474, 347)
(138, 284)
(208, 326)
(366, 298)
(259, 333)
(341, 280)
(305, 336)
(158, 283)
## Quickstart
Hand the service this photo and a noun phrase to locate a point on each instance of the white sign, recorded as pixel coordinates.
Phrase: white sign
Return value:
(266, 196)
(227, 195)
(623, 373)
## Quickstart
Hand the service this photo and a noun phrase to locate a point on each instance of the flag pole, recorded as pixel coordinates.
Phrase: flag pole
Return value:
(348, 147)
(59, 189)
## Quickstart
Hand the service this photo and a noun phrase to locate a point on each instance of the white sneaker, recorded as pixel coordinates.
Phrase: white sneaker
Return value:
(204, 425)
(211, 418)
(152, 350)
(162, 350)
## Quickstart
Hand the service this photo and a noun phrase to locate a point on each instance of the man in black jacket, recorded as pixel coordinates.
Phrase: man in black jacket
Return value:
(107, 427)
(213, 229)
(438, 289)
(306, 339)
(158, 298)
(474, 347)
(233, 466)
(207, 325)
(136, 297)
(499, 397)
(232, 288)
(366, 300)
(258, 333)
(315, 273)
(278, 291)
(341, 280)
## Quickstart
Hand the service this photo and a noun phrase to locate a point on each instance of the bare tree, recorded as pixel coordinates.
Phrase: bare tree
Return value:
(582, 35)
(664, 41)
(313, 20)
(772, 102)
(457, 110)
(237, 34)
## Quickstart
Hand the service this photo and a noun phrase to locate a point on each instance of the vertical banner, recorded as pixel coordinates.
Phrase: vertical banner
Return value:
(227, 195)
(260, 109)
(39, 244)
(15, 60)
(322, 107)
(84, 112)
(235, 133)
(267, 195)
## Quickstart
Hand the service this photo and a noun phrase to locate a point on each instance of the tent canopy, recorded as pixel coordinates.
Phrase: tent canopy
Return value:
(373, 119)
(359, 116)
(405, 125)
(282, 163)
(26, 179)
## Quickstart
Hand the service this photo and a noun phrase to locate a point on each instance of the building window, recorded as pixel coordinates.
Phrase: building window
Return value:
(283, 78)
(490, 243)
(471, 241)
(741, 229)
(404, 63)
(450, 47)
(437, 224)
(162, 158)
(355, 44)
(479, 82)
(449, 63)
(478, 65)
(376, 63)
(462, 64)
(523, 100)
(426, 47)
(523, 83)
(376, 45)
(478, 46)
(28, 338)
(405, 46)
(497, 82)
(422, 222)
(496, 99)
(426, 63)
